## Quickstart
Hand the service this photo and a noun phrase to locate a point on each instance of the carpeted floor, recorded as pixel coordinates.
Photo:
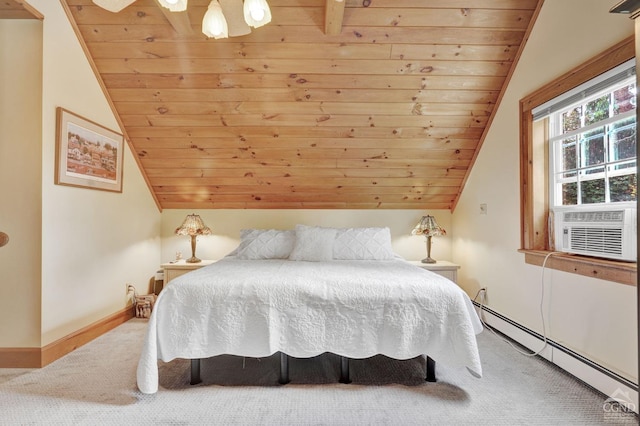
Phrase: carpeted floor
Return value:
(96, 385)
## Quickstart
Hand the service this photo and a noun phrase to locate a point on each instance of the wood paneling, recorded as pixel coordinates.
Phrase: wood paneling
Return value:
(328, 106)
(18, 9)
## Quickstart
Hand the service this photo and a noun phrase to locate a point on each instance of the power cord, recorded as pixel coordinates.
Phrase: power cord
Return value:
(483, 291)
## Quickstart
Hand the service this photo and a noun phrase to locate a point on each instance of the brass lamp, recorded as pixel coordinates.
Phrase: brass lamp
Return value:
(193, 226)
(428, 227)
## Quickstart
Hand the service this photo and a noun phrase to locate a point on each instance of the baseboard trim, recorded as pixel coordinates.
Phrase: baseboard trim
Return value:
(19, 357)
(593, 374)
(40, 357)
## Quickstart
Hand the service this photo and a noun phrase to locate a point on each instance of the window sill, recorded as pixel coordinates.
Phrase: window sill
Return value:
(609, 270)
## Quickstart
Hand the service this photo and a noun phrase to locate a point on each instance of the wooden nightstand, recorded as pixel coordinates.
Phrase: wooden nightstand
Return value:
(175, 269)
(441, 267)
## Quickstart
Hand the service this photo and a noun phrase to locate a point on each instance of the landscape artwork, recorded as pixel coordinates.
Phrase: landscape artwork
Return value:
(87, 154)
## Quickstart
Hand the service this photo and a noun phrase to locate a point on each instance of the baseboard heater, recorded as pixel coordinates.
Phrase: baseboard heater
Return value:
(586, 370)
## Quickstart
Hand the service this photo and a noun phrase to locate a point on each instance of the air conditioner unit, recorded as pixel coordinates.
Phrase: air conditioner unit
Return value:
(605, 231)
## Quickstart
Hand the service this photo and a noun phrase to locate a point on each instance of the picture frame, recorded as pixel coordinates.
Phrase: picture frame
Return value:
(88, 155)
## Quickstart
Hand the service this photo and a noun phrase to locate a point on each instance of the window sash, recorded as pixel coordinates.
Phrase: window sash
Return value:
(607, 121)
(587, 89)
(582, 171)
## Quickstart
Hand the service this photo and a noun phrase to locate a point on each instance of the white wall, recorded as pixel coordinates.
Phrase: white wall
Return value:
(226, 225)
(20, 176)
(93, 242)
(593, 317)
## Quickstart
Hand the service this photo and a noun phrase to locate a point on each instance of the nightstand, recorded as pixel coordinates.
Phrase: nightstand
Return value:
(441, 267)
(175, 269)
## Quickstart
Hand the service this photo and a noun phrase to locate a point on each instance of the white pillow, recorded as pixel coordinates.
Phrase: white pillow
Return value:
(313, 243)
(256, 244)
(363, 244)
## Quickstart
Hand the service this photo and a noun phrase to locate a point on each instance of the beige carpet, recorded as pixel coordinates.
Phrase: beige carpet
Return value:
(96, 385)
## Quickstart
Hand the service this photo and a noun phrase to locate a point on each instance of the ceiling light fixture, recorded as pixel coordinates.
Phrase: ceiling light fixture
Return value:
(256, 13)
(222, 19)
(174, 5)
(214, 23)
(114, 6)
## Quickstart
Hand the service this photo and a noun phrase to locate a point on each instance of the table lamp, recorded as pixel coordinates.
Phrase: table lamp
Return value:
(428, 226)
(193, 226)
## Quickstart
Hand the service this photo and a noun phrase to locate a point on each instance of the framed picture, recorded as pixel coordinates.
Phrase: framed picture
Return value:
(88, 155)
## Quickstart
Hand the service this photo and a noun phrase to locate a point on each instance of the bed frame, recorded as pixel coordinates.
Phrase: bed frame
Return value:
(283, 378)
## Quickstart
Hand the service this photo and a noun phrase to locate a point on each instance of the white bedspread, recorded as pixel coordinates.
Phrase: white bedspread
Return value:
(357, 309)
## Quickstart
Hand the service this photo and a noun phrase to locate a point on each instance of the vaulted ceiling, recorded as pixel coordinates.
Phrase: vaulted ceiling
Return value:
(389, 112)
(17, 9)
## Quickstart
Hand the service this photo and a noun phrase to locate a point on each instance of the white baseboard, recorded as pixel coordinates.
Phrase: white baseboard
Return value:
(593, 374)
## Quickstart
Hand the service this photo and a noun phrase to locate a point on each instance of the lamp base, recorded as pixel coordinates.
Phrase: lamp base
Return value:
(428, 259)
(196, 260)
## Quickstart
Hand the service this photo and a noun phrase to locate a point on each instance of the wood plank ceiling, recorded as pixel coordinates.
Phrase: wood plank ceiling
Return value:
(17, 9)
(388, 113)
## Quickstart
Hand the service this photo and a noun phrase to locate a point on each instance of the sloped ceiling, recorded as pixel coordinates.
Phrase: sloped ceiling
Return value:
(389, 113)
(17, 9)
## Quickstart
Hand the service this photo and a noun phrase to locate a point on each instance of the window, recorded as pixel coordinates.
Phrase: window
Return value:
(576, 148)
(592, 141)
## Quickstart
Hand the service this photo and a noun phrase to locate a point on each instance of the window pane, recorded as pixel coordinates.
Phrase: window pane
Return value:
(624, 99)
(623, 138)
(571, 119)
(569, 194)
(624, 166)
(593, 147)
(597, 110)
(592, 171)
(569, 157)
(623, 188)
(592, 191)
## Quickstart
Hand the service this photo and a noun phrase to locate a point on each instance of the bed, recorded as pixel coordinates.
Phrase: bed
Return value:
(307, 291)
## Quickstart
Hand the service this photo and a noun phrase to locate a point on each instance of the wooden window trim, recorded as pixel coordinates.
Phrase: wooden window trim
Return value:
(534, 204)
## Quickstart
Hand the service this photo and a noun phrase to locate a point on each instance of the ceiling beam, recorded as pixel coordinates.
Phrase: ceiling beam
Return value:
(178, 20)
(333, 15)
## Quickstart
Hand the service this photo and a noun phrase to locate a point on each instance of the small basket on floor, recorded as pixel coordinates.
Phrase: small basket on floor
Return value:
(144, 305)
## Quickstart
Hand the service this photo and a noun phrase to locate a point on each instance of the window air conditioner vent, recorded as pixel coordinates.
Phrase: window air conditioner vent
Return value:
(597, 240)
(600, 232)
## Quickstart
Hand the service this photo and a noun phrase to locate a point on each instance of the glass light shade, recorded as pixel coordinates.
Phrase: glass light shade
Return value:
(214, 23)
(174, 5)
(428, 226)
(256, 13)
(193, 225)
(114, 6)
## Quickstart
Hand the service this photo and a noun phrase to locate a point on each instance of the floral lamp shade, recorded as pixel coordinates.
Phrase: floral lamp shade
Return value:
(193, 226)
(428, 226)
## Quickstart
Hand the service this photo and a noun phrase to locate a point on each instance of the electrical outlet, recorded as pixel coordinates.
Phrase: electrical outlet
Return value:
(483, 208)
